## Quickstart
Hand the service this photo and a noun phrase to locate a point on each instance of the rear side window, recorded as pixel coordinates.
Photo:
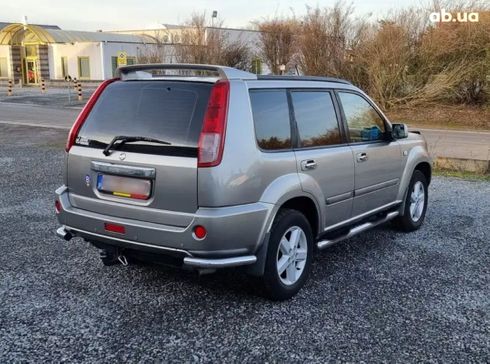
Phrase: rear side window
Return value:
(316, 118)
(271, 118)
(167, 110)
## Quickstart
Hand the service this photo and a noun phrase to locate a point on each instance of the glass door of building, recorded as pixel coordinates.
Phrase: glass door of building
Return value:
(31, 76)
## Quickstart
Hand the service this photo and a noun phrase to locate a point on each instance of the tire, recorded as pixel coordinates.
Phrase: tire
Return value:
(290, 249)
(414, 214)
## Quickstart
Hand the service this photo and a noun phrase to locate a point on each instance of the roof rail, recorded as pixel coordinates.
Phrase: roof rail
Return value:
(302, 78)
(137, 71)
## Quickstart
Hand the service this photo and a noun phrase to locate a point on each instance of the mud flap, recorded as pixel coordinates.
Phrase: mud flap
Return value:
(257, 269)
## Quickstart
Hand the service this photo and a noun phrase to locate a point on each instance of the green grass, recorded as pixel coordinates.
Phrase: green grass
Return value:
(461, 174)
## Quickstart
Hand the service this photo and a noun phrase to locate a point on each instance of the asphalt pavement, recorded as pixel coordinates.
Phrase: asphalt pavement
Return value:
(383, 296)
(34, 115)
(464, 144)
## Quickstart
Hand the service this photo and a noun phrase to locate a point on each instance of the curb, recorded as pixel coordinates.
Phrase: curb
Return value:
(463, 165)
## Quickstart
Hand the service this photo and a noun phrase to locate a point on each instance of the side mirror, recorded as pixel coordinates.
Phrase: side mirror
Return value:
(399, 131)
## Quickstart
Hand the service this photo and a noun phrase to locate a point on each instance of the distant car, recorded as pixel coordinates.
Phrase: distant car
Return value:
(209, 167)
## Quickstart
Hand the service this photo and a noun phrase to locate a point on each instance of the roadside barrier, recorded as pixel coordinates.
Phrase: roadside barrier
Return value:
(80, 96)
(9, 89)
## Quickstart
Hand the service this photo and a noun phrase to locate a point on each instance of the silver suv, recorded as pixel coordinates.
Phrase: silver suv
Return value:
(208, 167)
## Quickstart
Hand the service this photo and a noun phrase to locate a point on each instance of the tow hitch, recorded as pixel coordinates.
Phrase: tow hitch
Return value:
(112, 256)
(123, 260)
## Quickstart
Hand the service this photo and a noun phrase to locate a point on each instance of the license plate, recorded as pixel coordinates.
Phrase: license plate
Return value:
(126, 187)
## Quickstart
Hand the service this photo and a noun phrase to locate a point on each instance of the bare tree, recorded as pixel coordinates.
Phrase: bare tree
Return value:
(237, 54)
(385, 59)
(324, 37)
(194, 46)
(202, 43)
(278, 42)
(157, 52)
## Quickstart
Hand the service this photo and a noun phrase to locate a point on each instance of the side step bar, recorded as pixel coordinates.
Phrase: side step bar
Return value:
(357, 230)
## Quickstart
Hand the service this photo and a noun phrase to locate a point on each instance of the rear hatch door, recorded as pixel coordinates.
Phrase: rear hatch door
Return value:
(140, 180)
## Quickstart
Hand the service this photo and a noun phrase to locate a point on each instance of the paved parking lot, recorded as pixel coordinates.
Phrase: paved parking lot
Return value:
(380, 297)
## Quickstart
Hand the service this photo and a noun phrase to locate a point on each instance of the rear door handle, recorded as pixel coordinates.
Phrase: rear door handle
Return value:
(362, 157)
(308, 164)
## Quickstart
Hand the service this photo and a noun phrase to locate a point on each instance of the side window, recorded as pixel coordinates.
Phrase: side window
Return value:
(271, 118)
(363, 122)
(316, 119)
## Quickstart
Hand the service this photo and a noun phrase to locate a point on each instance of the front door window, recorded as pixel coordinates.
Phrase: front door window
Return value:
(363, 122)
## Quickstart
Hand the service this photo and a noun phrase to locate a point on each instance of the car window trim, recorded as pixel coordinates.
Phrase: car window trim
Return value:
(344, 119)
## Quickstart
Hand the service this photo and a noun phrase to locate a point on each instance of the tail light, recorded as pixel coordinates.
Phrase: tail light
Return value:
(212, 138)
(72, 135)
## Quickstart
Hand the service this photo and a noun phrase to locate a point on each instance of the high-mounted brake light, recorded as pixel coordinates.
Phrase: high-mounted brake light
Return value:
(212, 138)
(72, 135)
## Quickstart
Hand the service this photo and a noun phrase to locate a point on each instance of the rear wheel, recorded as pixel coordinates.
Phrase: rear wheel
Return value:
(289, 255)
(415, 203)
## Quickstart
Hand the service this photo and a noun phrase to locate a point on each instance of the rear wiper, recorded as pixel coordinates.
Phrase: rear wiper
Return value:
(129, 139)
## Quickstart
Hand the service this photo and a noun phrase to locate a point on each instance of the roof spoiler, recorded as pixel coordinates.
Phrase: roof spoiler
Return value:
(141, 71)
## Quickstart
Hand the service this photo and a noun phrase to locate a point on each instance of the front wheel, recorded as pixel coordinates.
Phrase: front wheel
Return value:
(289, 255)
(415, 203)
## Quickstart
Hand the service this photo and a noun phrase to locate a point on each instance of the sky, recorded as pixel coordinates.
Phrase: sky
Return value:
(141, 14)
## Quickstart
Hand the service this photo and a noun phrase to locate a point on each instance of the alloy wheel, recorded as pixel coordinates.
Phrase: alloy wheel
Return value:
(417, 201)
(291, 255)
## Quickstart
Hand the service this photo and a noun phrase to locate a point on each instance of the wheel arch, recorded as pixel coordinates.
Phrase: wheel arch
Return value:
(308, 208)
(302, 202)
(423, 165)
(418, 157)
(426, 169)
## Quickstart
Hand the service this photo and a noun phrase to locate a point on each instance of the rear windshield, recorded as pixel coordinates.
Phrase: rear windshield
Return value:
(171, 111)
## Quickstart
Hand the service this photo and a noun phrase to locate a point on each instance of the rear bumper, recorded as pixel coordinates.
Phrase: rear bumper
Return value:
(234, 233)
(199, 263)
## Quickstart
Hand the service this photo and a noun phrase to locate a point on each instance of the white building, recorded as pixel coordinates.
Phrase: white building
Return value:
(173, 36)
(31, 53)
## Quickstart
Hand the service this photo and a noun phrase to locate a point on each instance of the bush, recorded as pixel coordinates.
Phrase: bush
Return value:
(401, 59)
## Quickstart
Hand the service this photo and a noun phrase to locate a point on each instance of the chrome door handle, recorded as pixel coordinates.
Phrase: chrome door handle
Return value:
(308, 164)
(362, 157)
